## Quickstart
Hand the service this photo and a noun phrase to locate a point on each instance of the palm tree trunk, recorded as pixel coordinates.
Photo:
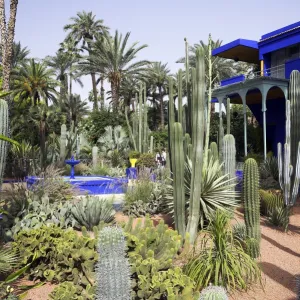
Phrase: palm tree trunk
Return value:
(95, 106)
(162, 115)
(114, 95)
(7, 39)
(101, 93)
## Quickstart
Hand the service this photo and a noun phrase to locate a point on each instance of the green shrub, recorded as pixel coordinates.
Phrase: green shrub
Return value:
(91, 210)
(221, 259)
(141, 209)
(61, 254)
(134, 154)
(141, 190)
(99, 169)
(146, 160)
(259, 158)
(68, 290)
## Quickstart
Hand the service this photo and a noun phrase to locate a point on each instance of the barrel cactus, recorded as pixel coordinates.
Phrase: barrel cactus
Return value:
(213, 293)
(112, 269)
(252, 205)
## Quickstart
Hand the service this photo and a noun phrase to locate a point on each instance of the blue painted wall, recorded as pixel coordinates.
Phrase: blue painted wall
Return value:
(290, 66)
(275, 117)
(232, 80)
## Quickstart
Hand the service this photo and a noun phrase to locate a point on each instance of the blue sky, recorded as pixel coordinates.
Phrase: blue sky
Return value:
(162, 24)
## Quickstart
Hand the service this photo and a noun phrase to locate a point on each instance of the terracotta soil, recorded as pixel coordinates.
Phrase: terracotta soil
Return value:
(280, 262)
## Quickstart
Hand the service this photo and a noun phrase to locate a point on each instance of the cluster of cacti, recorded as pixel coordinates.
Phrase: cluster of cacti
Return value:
(229, 155)
(252, 206)
(112, 269)
(213, 293)
(139, 131)
(4, 132)
(196, 110)
(270, 201)
(91, 210)
(289, 175)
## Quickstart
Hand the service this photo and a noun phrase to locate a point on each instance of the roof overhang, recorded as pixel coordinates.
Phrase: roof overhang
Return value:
(239, 50)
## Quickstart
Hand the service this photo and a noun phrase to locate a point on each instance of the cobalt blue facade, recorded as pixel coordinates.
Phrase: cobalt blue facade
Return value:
(277, 54)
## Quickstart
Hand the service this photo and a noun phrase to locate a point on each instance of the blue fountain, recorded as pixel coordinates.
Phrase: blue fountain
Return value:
(72, 162)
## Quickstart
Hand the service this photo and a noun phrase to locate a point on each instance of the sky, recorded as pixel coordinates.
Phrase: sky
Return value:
(161, 24)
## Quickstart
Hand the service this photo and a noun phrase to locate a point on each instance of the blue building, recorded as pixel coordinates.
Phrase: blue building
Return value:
(277, 54)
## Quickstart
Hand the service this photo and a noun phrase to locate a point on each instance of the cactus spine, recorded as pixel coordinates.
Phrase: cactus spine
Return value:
(112, 269)
(229, 153)
(63, 143)
(289, 186)
(178, 169)
(252, 205)
(4, 132)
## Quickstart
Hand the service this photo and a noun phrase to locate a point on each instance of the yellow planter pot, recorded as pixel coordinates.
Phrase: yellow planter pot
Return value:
(133, 162)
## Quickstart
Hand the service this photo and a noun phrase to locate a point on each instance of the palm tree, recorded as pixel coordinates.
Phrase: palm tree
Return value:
(75, 108)
(222, 68)
(158, 74)
(116, 60)
(33, 80)
(20, 55)
(63, 67)
(85, 28)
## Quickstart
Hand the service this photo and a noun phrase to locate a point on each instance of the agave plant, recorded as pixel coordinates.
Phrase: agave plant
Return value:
(90, 211)
(217, 191)
(8, 260)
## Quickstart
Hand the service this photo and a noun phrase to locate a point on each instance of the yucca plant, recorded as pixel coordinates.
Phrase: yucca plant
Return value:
(221, 259)
(90, 211)
(217, 191)
(8, 260)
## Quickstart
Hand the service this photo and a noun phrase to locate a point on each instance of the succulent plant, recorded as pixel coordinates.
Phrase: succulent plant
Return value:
(214, 151)
(140, 208)
(270, 200)
(229, 153)
(112, 269)
(3, 132)
(252, 205)
(213, 293)
(91, 210)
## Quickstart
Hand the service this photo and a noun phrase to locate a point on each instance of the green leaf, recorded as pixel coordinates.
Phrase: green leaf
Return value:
(7, 139)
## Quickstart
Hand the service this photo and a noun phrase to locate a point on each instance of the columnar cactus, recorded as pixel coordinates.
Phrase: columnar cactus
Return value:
(140, 118)
(294, 96)
(171, 123)
(180, 114)
(214, 151)
(63, 143)
(151, 143)
(252, 205)
(289, 178)
(187, 142)
(229, 153)
(221, 137)
(4, 132)
(178, 170)
(213, 293)
(95, 156)
(112, 269)
(198, 111)
(145, 122)
(228, 115)
(132, 137)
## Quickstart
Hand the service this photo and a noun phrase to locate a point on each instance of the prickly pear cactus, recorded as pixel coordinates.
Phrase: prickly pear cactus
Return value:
(213, 293)
(3, 131)
(112, 269)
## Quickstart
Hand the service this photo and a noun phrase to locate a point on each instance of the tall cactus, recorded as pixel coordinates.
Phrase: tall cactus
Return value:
(180, 113)
(171, 123)
(178, 169)
(289, 177)
(140, 118)
(229, 155)
(130, 129)
(228, 115)
(252, 206)
(4, 132)
(112, 269)
(151, 143)
(214, 151)
(95, 156)
(145, 122)
(198, 107)
(63, 143)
